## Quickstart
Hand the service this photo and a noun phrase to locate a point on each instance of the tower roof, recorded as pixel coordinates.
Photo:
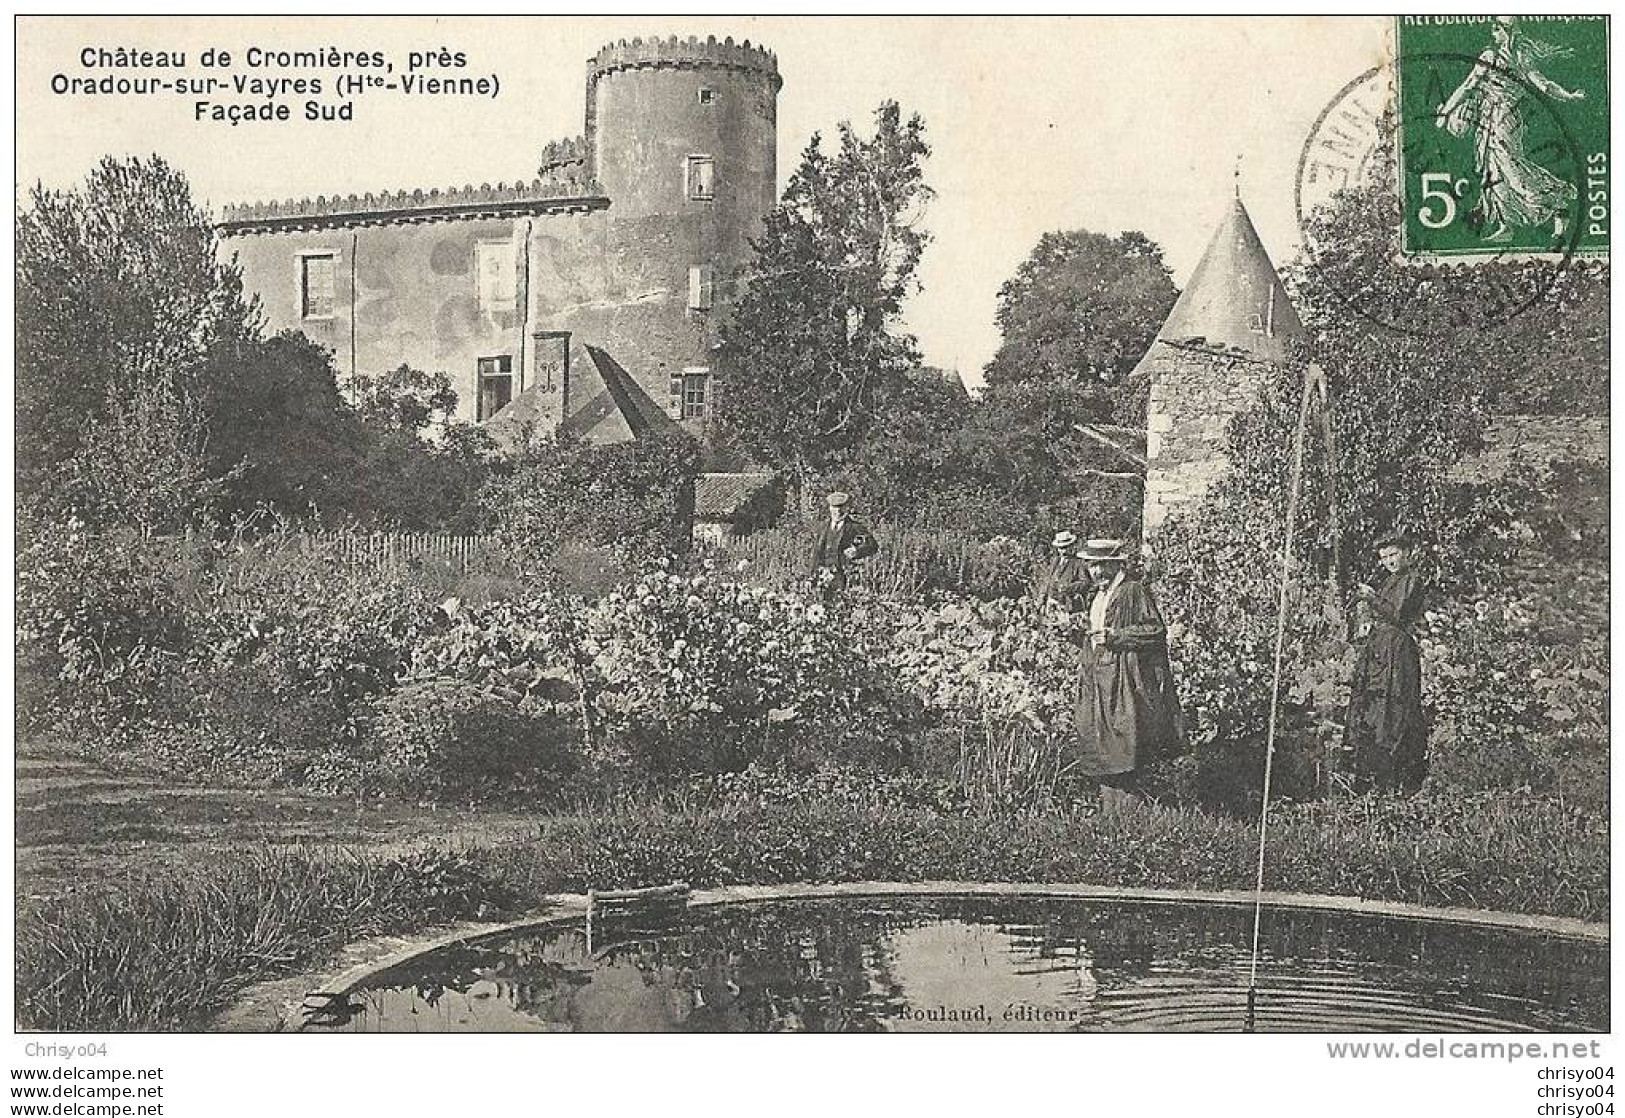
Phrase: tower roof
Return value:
(1234, 301)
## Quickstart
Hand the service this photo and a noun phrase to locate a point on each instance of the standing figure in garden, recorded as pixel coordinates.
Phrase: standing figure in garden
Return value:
(1063, 577)
(841, 544)
(1127, 712)
(1386, 728)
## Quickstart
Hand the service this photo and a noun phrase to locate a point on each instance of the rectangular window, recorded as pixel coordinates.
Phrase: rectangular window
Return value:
(494, 267)
(694, 389)
(707, 96)
(495, 388)
(316, 286)
(700, 287)
(701, 178)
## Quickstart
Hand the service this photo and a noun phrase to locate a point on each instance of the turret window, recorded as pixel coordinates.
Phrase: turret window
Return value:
(701, 178)
(701, 283)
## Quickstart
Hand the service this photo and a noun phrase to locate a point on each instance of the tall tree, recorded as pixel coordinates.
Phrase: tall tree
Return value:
(1522, 334)
(1082, 309)
(903, 453)
(280, 427)
(122, 295)
(813, 341)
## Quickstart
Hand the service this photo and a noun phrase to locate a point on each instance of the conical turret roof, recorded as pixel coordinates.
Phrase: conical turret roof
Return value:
(1234, 301)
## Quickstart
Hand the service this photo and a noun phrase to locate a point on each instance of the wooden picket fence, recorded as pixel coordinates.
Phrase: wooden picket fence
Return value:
(379, 550)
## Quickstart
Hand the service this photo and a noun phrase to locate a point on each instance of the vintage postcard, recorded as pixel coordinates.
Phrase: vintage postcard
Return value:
(739, 524)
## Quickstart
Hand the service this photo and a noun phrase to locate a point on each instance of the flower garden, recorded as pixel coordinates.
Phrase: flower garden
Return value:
(707, 721)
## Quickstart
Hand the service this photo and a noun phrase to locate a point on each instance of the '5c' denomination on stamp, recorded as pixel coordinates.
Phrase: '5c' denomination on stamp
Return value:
(1503, 124)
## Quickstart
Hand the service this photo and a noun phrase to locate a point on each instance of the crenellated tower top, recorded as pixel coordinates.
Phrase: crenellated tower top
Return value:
(690, 53)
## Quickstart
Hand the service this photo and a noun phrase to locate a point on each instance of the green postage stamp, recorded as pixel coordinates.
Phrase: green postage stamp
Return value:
(1503, 135)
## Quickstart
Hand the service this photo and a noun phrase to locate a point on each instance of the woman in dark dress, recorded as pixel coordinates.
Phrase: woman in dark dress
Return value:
(1387, 730)
(1126, 710)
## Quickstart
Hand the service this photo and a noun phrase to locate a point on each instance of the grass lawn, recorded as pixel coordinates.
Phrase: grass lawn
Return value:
(145, 905)
(79, 826)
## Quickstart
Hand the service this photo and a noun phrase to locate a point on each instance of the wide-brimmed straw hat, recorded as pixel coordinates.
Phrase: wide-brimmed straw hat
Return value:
(1104, 551)
(837, 499)
(1064, 539)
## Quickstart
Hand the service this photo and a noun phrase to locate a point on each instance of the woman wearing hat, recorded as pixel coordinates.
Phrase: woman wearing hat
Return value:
(1386, 728)
(1127, 711)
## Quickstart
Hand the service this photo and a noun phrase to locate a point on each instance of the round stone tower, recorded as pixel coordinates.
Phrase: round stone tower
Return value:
(683, 127)
(681, 135)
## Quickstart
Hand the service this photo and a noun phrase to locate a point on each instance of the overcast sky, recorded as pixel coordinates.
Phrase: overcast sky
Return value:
(1035, 124)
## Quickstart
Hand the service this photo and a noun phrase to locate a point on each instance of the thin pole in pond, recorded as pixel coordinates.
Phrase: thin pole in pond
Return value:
(1313, 378)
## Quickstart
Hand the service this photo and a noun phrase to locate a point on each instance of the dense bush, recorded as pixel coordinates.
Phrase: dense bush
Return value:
(228, 659)
(677, 674)
(437, 739)
(634, 498)
(270, 661)
(98, 616)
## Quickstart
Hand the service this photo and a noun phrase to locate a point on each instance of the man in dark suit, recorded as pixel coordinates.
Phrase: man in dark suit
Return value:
(841, 543)
(1063, 579)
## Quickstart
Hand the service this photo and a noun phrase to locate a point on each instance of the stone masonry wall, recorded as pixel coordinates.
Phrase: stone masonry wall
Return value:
(1193, 395)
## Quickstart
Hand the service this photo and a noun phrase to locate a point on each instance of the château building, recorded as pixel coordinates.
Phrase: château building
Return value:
(586, 299)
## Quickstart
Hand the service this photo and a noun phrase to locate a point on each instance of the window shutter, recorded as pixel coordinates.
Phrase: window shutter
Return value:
(701, 286)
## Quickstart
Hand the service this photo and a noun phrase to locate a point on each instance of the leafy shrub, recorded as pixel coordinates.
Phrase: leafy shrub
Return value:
(697, 674)
(635, 498)
(1216, 583)
(234, 659)
(99, 617)
(439, 738)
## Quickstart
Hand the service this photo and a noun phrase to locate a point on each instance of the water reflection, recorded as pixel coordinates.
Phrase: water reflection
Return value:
(993, 964)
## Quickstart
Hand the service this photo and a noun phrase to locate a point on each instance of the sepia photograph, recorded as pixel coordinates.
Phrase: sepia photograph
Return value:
(738, 524)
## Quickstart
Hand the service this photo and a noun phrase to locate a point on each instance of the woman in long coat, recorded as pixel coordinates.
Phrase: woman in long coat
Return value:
(1126, 709)
(1386, 726)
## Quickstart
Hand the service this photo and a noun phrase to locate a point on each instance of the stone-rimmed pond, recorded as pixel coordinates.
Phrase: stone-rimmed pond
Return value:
(992, 963)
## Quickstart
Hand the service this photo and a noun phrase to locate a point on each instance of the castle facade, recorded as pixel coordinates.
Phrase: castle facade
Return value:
(586, 300)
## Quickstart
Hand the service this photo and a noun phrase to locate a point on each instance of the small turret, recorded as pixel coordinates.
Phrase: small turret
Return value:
(1231, 327)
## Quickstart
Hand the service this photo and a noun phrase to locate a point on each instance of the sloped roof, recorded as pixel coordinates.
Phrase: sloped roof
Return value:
(607, 405)
(720, 496)
(1234, 302)
(627, 404)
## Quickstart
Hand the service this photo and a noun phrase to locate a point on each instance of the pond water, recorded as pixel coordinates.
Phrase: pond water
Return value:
(992, 964)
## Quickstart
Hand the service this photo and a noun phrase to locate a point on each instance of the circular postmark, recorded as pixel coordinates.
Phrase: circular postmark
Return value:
(1464, 212)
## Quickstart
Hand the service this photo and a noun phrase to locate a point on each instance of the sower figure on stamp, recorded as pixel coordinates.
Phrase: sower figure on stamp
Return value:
(841, 543)
(1127, 712)
(1492, 103)
(1386, 727)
